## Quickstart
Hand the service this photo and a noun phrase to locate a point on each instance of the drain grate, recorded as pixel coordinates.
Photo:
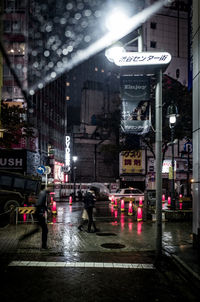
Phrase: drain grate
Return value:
(106, 234)
(113, 246)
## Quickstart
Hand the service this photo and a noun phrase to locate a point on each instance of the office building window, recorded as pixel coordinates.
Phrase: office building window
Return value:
(153, 25)
(153, 44)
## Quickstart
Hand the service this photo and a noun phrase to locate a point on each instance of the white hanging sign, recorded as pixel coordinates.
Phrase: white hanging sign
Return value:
(142, 58)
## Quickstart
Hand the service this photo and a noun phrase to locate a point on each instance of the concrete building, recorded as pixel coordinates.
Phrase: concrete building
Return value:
(196, 126)
(168, 31)
(94, 139)
(48, 112)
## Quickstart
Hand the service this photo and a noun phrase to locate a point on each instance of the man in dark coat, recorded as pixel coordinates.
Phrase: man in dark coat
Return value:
(89, 204)
(41, 216)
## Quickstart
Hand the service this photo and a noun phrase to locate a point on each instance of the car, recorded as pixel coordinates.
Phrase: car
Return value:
(127, 193)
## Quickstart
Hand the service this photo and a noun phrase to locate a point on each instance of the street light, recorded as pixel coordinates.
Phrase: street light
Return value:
(172, 114)
(74, 158)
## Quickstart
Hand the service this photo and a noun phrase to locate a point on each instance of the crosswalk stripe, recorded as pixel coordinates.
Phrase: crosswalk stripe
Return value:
(83, 264)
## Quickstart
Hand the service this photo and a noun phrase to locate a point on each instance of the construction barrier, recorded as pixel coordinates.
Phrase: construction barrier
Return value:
(128, 199)
(29, 211)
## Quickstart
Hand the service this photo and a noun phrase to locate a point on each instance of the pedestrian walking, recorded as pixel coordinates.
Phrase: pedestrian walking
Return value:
(89, 204)
(41, 216)
(80, 195)
(84, 220)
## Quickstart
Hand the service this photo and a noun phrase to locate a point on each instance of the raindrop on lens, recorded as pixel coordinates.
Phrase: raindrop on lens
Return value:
(31, 92)
(65, 52)
(50, 64)
(40, 86)
(63, 21)
(46, 53)
(69, 6)
(53, 74)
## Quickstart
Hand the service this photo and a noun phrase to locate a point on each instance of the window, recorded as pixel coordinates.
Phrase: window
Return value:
(6, 180)
(177, 73)
(153, 25)
(153, 44)
(31, 185)
(15, 48)
(13, 26)
(19, 183)
(11, 5)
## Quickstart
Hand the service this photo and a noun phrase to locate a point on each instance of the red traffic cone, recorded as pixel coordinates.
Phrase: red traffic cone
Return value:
(70, 200)
(139, 214)
(54, 210)
(130, 208)
(122, 205)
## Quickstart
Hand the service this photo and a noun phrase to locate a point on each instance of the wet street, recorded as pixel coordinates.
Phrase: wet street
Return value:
(115, 264)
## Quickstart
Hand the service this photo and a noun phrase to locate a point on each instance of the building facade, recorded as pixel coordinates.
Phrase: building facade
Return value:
(46, 109)
(196, 128)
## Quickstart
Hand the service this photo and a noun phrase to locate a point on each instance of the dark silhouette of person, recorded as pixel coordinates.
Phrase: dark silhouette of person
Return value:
(89, 204)
(41, 216)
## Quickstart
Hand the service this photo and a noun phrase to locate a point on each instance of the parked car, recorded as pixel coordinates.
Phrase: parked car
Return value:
(128, 192)
(17, 190)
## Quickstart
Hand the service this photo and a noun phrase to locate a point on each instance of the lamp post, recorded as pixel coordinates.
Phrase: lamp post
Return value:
(172, 113)
(74, 158)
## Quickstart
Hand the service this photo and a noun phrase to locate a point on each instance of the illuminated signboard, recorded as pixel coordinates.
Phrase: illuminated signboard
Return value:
(142, 58)
(131, 161)
(167, 163)
(58, 174)
(67, 151)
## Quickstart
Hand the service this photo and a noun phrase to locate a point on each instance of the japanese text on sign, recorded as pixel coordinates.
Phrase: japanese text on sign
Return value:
(131, 161)
(143, 58)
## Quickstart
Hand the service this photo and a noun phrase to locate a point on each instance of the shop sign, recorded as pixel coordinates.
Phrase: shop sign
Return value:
(142, 58)
(131, 161)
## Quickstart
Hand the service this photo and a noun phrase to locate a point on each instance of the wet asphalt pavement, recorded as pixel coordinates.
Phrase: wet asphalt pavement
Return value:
(79, 267)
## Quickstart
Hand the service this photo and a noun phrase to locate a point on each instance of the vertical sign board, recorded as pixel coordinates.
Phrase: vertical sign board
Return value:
(135, 95)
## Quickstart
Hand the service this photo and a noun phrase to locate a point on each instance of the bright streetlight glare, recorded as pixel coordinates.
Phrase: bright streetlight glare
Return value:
(113, 52)
(172, 119)
(116, 20)
(75, 158)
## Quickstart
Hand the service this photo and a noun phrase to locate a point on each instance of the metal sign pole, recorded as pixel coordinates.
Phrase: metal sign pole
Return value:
(158, 142)
(46, 181)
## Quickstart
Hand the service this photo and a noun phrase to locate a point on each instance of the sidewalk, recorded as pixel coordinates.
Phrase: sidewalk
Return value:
(121, 233)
